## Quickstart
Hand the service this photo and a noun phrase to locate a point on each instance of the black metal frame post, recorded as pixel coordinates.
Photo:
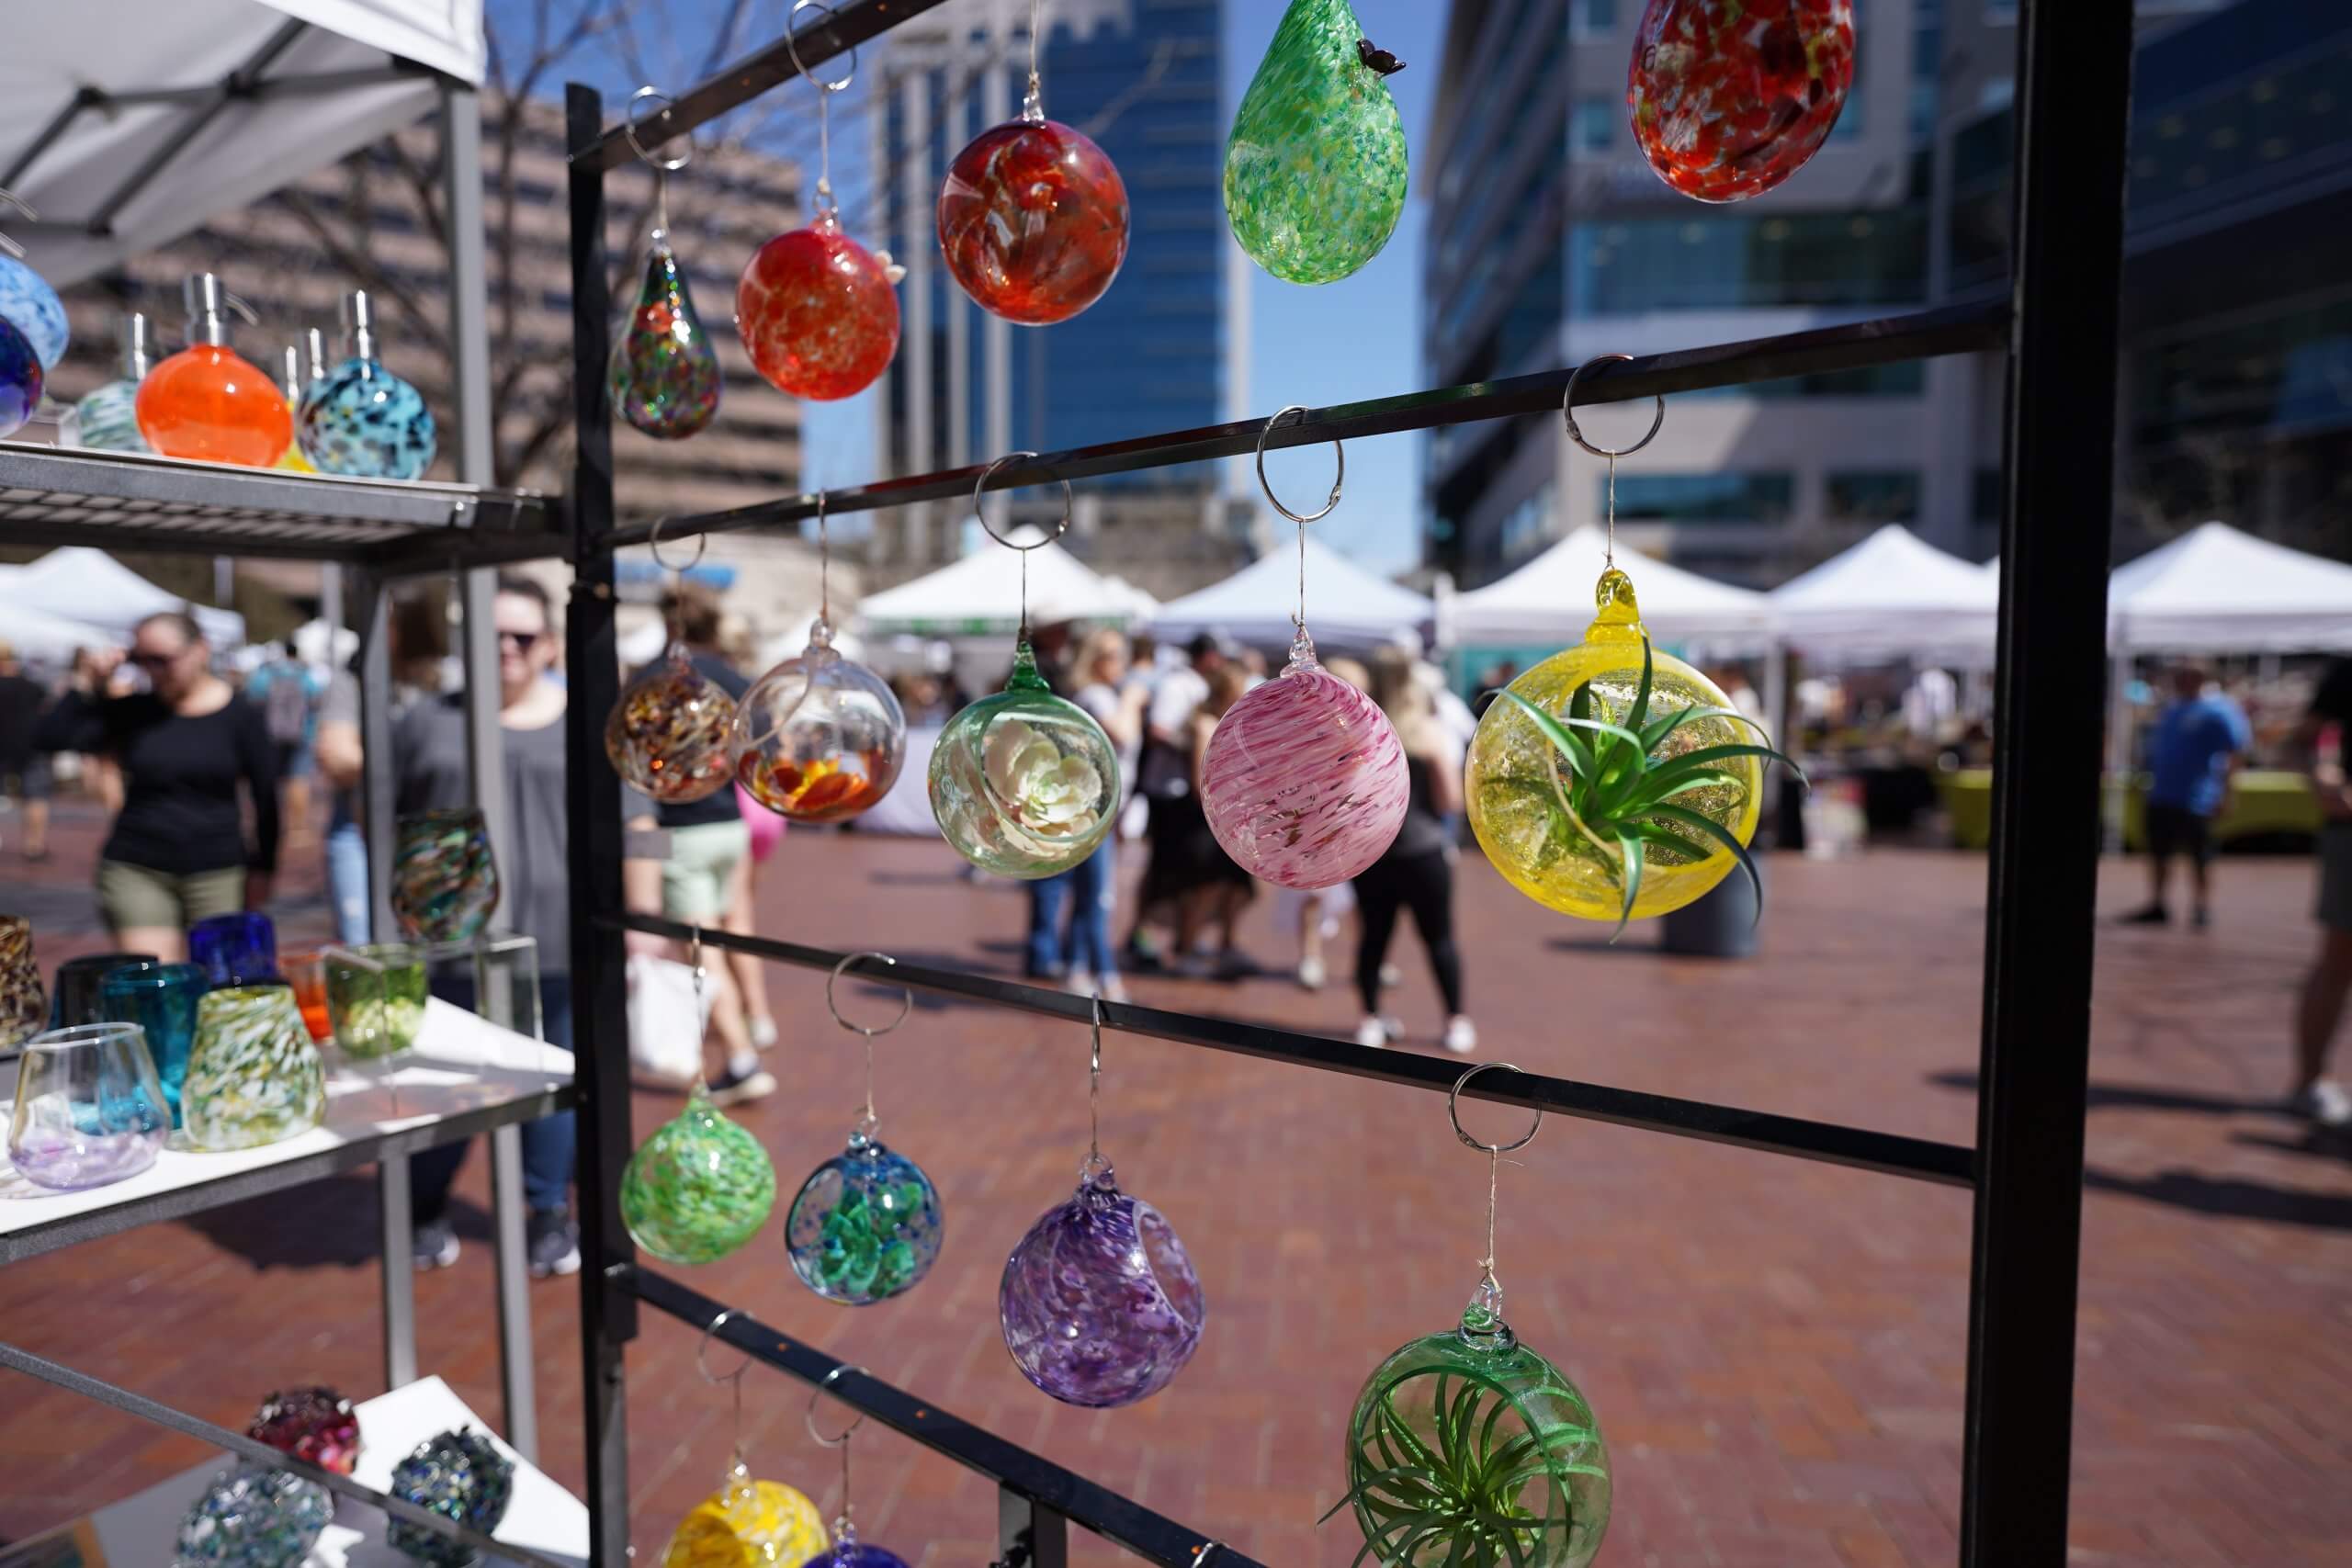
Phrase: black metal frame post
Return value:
(2072, 105)
(592, 793)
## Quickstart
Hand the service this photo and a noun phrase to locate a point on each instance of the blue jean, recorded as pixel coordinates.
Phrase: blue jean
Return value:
(1089, 890)
(347, 877)
(548, 1145)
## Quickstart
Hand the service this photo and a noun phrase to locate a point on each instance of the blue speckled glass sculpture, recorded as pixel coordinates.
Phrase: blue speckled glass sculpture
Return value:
(21, 379)
(108, 418)
(462, 1477)
(32, 307)
(251, 1516)
(361, 420)
(866, 1225)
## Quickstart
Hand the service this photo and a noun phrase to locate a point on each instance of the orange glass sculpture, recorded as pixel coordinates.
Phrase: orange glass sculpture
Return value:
(208, 401)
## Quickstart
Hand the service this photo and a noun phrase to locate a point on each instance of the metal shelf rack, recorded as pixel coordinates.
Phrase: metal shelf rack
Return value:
(2057, 328)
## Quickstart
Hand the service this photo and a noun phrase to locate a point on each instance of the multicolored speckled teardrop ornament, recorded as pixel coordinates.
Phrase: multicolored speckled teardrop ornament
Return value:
(664, 375)
(699, 1188)
(1315, 170)
(32, 307)
(818, 312)
(1033, 220)
(865, 1225)
(1730, 97)
(253, 1516)
(747, 1524)
(21, 379)
(462, 1477)
(671, 732)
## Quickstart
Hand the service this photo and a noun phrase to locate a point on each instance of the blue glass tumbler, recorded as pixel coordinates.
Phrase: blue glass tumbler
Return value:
(235, 950)
(161, 998)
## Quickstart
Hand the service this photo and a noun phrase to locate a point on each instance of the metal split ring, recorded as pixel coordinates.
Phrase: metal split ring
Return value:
(1068, 504)
(906, 996)
(832, 1442)
(792, 48)
(654, 545)
(703, 1365)
(628, 128)
(1453, 1113)
(1338, 479)
(1567, 411)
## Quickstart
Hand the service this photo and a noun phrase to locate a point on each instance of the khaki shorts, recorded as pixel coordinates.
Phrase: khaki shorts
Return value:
(698, 878)
(138, 896)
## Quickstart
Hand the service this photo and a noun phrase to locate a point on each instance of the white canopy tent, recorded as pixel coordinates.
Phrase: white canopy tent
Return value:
(1550, 600)
(128, 123)
(39, 638)
(981, 594)
(1893, 595)
(1346, 605)
(78, 583)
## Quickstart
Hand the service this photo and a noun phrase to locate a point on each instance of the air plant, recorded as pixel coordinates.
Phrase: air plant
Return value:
(1620, 783)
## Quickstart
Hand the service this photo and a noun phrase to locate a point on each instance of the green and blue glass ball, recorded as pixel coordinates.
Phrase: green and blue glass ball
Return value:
(460, 1475)
(865, 1225)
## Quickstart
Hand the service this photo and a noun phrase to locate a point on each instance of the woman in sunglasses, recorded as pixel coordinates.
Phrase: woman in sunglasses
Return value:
(177, 853)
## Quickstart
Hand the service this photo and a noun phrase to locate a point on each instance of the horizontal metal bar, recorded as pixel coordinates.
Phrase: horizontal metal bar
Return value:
(1887, 1153)
(851, 22)
(245, 1448)
(308, 84)
(1966, 329)
(181, 1201)
(1106, 1512)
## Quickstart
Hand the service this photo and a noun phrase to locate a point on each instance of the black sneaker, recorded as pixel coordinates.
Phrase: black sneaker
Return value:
(554, 1243)
(433, 1246)
(733, 1087)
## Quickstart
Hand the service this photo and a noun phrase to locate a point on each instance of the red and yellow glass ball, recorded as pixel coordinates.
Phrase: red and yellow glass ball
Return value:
(1033, 221)
(818, 312)
(1730, 97)
(209, 403)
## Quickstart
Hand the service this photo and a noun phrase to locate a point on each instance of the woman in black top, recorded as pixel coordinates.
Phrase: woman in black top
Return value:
(1416, 872)
(178, 854)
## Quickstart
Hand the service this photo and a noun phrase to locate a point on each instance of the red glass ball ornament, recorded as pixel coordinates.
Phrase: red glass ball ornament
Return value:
(1730, 97)
(1033, 221)
(818, 312)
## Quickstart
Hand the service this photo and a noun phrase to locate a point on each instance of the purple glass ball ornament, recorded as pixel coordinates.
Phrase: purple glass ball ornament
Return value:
(848, 1551)
(1099, 1305)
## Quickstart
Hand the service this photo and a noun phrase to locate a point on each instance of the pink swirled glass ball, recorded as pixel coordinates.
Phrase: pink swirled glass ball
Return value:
(1304, 781)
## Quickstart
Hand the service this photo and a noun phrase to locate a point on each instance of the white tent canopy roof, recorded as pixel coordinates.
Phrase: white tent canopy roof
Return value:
(981, 593)
(1550, 600)
(39, 638)
(78, 583)
(324, 79)
(1891, 595)
(2218, 590)
(1346, 605)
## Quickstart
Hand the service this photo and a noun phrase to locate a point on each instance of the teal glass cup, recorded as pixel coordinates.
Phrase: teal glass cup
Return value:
(161, 1000)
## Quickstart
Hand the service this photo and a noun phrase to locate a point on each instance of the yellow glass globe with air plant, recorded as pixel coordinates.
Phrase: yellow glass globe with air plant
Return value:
(1612, 781)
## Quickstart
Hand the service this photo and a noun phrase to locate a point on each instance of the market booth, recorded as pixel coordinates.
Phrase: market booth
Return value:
(1349, 608)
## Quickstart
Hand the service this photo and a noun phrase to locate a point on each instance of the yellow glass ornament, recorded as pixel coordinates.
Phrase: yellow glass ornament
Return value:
(1518, 788)
(747, 1524)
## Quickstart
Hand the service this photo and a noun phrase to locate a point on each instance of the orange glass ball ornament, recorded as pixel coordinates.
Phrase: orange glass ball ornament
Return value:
(818, 312)
(1033, 220)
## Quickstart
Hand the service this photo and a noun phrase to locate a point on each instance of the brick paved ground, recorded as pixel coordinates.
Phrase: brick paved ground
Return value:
(1775, 1348)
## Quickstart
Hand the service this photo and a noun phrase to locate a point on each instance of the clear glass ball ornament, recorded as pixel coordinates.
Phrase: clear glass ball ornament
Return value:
(1023, 782)
(819, 738)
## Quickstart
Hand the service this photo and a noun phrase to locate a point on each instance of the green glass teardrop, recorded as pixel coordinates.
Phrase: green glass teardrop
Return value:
(1315, 168)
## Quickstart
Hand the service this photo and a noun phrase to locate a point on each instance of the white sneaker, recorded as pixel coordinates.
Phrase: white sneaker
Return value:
(1112, 989)
(763, 1035)
(1079, 983)
(1461, 1035)
(1371, 1033)
(1311, 974)
(2327, 1104)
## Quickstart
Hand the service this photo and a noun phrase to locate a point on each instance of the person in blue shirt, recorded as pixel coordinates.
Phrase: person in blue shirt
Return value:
(2193, 753)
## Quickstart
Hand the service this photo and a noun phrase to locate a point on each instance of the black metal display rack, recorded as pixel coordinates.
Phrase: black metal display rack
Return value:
(2058, 330)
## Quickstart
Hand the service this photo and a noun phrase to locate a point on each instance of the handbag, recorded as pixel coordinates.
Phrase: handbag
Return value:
(665, 1024)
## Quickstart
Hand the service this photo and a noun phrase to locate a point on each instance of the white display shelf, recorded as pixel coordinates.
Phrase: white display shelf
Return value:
(139, 1531)
(466, 1076)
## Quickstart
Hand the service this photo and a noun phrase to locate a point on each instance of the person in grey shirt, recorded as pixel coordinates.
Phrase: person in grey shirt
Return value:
(431, 773)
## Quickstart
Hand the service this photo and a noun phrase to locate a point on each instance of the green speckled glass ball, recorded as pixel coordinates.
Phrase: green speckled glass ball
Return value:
(1315, 168)
(697, 1188)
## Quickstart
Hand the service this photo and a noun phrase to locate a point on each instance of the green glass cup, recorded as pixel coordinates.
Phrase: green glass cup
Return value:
(375, 999)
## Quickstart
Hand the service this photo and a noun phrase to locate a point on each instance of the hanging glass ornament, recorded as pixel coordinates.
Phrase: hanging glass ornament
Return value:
(460, 1475)
(1467, 1449)
(819, 738)
(672, 732)
(361, 420)
(108, 418)
(847, 1551)
(1032, 218)
(701, 1186)
(1099, 1302)
(1730, 97)
(1305, 780)
(1612, 781)
(663, 377)
(867, 1223)
(1315, 169)
(745, 1523)
(208, 401)
(818, 312)
(251, 1516)
(1023, 782)
(32, 307)
(21, 379)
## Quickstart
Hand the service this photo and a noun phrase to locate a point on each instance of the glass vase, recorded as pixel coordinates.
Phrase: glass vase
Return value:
(444, 884)
(161, 1000)
(305, 971)
(23, 1003)
(239, 949)
(89, 1109)
(74, 997)
(253, 1078)
(375, 999)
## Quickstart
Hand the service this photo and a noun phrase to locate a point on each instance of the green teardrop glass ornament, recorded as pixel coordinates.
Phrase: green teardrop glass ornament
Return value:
(1315, 168)
(664, 373)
